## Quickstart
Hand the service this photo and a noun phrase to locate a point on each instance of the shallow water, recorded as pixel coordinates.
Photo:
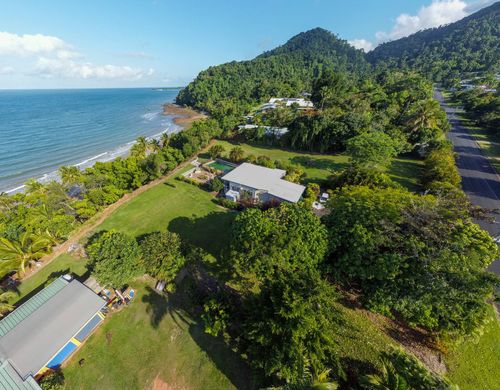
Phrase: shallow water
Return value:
(40, 130)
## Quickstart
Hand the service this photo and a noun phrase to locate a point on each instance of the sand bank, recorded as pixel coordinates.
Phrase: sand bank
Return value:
(183, 116)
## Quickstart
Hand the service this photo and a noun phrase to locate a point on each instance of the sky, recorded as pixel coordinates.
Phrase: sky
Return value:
(162, 43)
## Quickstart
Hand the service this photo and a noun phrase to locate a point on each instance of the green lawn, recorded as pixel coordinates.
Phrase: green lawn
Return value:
(63, 264)
(156, 337)
(475, 364)
(318, 167)
(178, 207)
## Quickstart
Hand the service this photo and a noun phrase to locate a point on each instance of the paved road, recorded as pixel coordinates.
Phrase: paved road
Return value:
(479, 179)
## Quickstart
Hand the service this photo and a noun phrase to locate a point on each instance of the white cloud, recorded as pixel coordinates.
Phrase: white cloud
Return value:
(27, 44)
(55, 58)
(437, 13)
(67, 68)
(6, 70)
(362, 44)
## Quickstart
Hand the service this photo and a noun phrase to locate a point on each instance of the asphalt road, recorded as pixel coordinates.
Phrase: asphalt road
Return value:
(479, 179)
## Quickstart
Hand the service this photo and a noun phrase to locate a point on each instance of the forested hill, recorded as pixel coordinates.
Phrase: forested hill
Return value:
(470, 44)
(285, 71)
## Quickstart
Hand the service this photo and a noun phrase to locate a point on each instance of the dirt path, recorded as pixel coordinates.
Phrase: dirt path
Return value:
(93, 223)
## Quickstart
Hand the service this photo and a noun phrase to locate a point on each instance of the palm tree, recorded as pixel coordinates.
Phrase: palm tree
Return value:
(6, 203)
(388, 379)
(426, 115)
(164, 139)
(154, 145)
(33, 186)
(236, 154)
(14, 255)
(5, 306)
(70, 175)
(140, 147)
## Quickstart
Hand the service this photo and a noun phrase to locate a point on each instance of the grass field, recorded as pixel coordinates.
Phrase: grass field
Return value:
(318, 167)
(178, 207)
(155, 337)
(475, 364)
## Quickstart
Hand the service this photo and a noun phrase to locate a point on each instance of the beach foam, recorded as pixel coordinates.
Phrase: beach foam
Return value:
(120, 151)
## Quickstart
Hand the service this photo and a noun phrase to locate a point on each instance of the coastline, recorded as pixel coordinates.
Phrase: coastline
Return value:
(182, 116)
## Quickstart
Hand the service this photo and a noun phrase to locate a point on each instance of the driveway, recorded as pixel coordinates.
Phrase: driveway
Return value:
(479, 179)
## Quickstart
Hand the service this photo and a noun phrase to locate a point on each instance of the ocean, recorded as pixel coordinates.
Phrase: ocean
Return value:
(41, 130)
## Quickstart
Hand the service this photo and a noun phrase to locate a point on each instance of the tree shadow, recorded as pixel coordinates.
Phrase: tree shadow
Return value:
(160, 304)
(355, 368)
(186, 314)
(402, 171)
(210, 232)
(319, 163)
(227, 360)
(169, 184)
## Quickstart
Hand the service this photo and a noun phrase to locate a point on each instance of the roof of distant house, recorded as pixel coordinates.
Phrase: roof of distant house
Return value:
(267, 179)
(35, 331)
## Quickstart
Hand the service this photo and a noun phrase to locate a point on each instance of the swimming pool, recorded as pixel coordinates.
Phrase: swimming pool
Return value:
(222, 166)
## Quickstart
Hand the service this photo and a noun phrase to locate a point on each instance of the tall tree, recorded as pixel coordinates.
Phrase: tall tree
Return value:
(114, 259)
(289, 327)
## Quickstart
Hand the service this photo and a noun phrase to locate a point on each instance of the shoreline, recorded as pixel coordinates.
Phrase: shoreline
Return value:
(182, 116)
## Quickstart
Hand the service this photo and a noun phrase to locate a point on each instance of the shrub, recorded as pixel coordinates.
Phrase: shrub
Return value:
(361, 177)
(227, 203)
(216, 185)
(440, 167)
(52, 381)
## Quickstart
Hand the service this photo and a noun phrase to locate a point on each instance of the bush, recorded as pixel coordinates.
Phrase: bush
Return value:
(228, 204)
(354, 176)
(216, 185)
(190, 181)
(440, 167)
(52, 381)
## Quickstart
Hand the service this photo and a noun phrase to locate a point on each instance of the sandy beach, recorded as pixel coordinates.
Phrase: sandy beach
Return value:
(183, 116)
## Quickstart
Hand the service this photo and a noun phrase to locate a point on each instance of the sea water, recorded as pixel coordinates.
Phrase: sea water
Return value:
(41, 130)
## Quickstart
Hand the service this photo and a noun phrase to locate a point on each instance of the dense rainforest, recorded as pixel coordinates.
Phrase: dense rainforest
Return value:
(414, 256)
(441, 54)
(468, 45)
(232, 88)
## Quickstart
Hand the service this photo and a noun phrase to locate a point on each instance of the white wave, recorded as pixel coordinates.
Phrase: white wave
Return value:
(90, 159)
(17, 189)
(120, 151)
(150, 116)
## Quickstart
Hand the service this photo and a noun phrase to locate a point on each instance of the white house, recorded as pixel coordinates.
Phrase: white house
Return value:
(301, 102)
(260, 184)
(286, 102)
(268, 130)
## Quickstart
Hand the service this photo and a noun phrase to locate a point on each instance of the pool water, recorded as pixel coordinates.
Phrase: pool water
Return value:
(221, 166)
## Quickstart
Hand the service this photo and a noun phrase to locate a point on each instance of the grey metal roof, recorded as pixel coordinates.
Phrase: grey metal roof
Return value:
(31, 305)
(40, 335)
(10, 379)
(266, 179)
